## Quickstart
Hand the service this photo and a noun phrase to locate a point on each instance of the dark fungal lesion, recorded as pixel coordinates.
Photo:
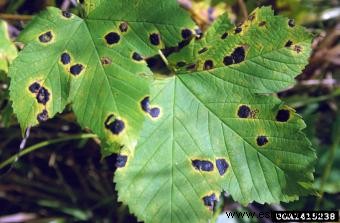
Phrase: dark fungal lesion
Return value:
(123, 27)
(76, 69)
(121, 161)
(105, 60)
(288, 43)
(261, 140)
(112, 38)
(180, 64)
(237, 56)
(46, 37)
(43, 116)
(222, 166)
(186, 34)
(262, 23)
(137, 57)
(297, 48)
(202, 165)
(154, 112)
(244, 111)
(224, 35)
(155, 39)
(282, 115)
(43, 96)
(191, 67)
(210, 201)
(66, 14)
(34, 87)
(208, 64)
(203, 50)
(65, 58)
(238, 30)
(291, 22)
(115, 125)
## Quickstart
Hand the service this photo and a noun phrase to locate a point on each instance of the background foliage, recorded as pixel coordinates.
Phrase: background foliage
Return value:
(69, 182)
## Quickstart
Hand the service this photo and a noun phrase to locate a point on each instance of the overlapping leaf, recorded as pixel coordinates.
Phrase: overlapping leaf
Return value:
(95, 63)
(7, 49)
(216, 132)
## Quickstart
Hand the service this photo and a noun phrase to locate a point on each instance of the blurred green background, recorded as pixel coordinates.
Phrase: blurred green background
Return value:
(67, 181)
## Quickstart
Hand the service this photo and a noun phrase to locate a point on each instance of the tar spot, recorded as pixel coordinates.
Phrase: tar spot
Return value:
(261, 140)
(228, 60)
(43, 96)
(208, 64)
(204, 49)
(222, 166)
(297, 48)
(46, 37)
(116, 127)
(224, 35)
(105, 60)
(243, 111)
(121, 161)
(123, 27)
(210, 200)
(76, 69)
(154, 112)
(180, 64)
(155, 39)
(112, 38)
(282, 115)
(137, 56)
(238, 55)
(263, 23)
(203, 165)
(186, 33)
(65, 58)
(191, 66)
(182, 44)
(34, 88)
(43, 116)
(66, 14)
(291, 22)
(288, 43)
(238, 30)
(145, 104)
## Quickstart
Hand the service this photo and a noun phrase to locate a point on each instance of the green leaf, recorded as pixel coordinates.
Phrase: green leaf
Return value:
(95, 63)
(214, 112)
(7, 49)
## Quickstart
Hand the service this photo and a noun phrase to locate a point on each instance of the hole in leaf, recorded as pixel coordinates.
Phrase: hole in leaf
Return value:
(43, 96)
(186, 33)
(204, 165)
(66, 14)
(65, 58)
(76, 69)
(154, 39)
(291, 22)
(34, 88)
(137, 56)
(46, 37)
(222, 166)
(208, 64)
(238, 30)
(261, 140)
(43, 116)
(244, 111)
(224, 35)
(116, 126)
(238, 55)
(121, 161)
(112, 38)
(288, 43)
(209, 200)
(123, 27)
(228, 60)
(282, 115)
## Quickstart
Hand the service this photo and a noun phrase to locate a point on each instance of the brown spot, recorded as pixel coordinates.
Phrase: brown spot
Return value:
(263, 23)
(297, 48)
(251, 17)
(123, 27)
(46, 37)
(106, 60)
(238, 30)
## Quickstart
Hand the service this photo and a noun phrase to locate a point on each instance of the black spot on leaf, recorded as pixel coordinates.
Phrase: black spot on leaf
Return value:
(204, 49)
(244, 111)
(66, 14)
(291, 22)
(43, 116)
(261, 140)
(105, 60)
(222, 166)
(180, 64)
(123, 27)
(288, 43)
(112, 38)
(121, 161)
(145, 104)
(154, 112)
(76, 69)
(43, 96)
(65, 58)
(46, 37)
(209, 200)
(155, 39)
(208, 64)
(263, 23)
(282, 115)
(34, 88)
(116, 127)
(251, 17)
(228, 60)
(186, 33)
(238, 55)
(238, 30)
(224, 35)
(137, 56)
(204, 165)
(191, 67)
